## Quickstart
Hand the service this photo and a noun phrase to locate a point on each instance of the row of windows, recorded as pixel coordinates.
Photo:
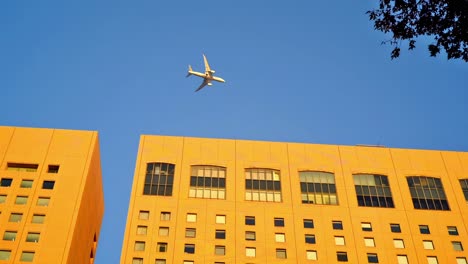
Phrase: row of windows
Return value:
(18, 217)
(22, 199)
(10, 235)
(372, 190)
(25, 167)
(26, 256)
(46, 184)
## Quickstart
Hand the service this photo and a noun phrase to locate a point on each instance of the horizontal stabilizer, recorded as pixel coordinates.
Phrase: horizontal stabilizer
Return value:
(189, 71)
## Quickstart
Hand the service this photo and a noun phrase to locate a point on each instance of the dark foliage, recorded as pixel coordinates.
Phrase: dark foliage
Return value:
(444, 20)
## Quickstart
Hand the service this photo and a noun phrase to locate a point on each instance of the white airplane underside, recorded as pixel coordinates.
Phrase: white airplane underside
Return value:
(207, 76)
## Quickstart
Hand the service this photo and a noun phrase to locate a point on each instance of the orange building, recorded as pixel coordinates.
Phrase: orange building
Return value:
(51, 197)
(197, 200)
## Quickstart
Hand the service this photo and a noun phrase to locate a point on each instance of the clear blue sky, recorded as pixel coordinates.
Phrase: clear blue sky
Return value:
(302, 71)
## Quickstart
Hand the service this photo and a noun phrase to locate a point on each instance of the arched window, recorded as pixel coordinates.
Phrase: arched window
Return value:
(427, 193)
(159, 179)
(373, 190)
(208, 182)
(262, 185)
(318, 187)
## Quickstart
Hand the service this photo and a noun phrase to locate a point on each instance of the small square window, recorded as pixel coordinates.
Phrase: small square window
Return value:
(395, 228)
(160, 261)
(9, 235)
(191, 218)
(33, 237)
(53, 169)
(137, 261)
(398, 243)
(337, 225)
(369, 242)
(311, 255)
(162, 247)
(280, 237)
(48, 185)
(139, 246)
(281, 253)
(339, 240)
(163, 231)
(250, 235)
(372, 258)
(457, 246)
(220, 219)
(308, 223)
(220, 234)
(21, 200)
(424, 229)
(142, 230)
(366, 227)
(15, 217)
(26, 184)
(342, 256)
(190, 232)
(427, 244)
(279, 221)
(250, 220)
(250, 252)
(220, 250)
(5, 254)
(27, 256)
(432, 260)
(402, 259)
(309, 239)
(461, 260)
(189, 248)
(452, 230)
(2, 198)
(188, 262)
(143, 215)
(6, 182)
(43, 201)
(165, 216)
(38, 219)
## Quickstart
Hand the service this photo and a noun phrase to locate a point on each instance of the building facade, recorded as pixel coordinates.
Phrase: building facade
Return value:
(198, 200)
(51, 196)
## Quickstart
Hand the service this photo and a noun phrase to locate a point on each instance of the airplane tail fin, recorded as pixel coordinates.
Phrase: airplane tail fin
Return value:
(189, 70)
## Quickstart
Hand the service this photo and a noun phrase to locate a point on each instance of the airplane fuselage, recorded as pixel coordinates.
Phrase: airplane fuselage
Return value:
(207, 76)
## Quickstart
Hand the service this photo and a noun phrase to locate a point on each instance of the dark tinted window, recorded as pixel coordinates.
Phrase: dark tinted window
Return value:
(279, 221)
(337, 225)
(395, 228)
(250, 220)
(342, 256)
(220, 234)
(373, 190)
(310, 239)
(372, 258)
(48, 185)
(308, 223)
(427, 193)
(424, 229)
(159, 179)
(189, 248)
(5, 182)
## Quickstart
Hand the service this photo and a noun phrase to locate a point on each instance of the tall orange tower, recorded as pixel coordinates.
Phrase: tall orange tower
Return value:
(51, 197)
(197, 200)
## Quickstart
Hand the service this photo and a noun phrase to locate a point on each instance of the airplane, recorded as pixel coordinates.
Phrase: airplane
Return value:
(207, 76)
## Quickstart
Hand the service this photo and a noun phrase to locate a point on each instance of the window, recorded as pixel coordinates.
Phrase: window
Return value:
(27, 256)
(372, 258)
(220, 234)
(337, 225)
(191, 218)
(311, 255)
(9, 235)
(142, 230)
(464, 186)
(318, 187)
(402, 259)
(281, 253)
(38, 219)
(139, 246)
(165, 216)
(220, 219)
(279, 221)
(373, 190)
(159, 179)
(457, 246)
(43, 201)
(250, 252)
(160, 261)
(280, 237)
(369, 242)
(15, 217)
(424, 229)
(427, 193)
(33, 237)
(309, 239)
(53, 169)
(452, 230)
(26, 184)
(162, 247)
(189, 248)
(22, 167)
(220, 250)
(5, 182)
(190, 232)
(432, 260)
(366, 227)
(2, 198)
(395, 228)
(163, 231)
(342, 256)
(143, 215)
(188, 262)
(262, 185)
(21, 200)
(208, 182)
(5, 254)
(339, 240)
(308, 223)
(461, 260)
(48, 185)
(398, 243)
(250, 220)
(250, 235)
(137, 261)
(427, 244)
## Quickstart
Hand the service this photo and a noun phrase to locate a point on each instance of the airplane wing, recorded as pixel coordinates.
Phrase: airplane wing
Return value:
(204, 83)
(207, 66)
